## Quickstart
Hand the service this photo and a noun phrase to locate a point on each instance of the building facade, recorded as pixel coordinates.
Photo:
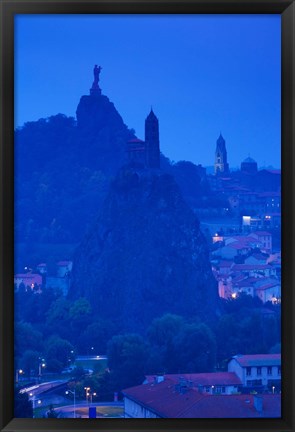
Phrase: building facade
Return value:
(257, 369)
(146, 154)
(221, 164)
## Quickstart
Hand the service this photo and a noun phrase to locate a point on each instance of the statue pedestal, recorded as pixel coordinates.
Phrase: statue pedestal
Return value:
(95, 91)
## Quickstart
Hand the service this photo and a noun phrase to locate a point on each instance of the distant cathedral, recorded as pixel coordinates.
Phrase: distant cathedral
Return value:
(221, 165)
(146, 153)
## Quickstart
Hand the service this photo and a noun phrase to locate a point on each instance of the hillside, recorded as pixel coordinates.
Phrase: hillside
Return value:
(145, 255)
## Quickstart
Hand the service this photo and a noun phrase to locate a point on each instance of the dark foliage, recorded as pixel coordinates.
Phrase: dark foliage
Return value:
(23, 407)
(145, 255)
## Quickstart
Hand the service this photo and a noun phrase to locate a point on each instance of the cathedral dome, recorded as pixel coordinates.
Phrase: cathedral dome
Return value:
(249, 160)
(249, 166)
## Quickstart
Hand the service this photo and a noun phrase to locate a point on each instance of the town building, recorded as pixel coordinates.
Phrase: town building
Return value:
(146, 153)
(64, 268)
(221, 165)
(29, 281)
(209, 383)
(165, 399)
(42, 268)
(257, 369)
(249, 166)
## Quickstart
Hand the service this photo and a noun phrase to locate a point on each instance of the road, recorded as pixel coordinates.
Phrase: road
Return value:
(91, 357)
(103, 409)
(41, 388)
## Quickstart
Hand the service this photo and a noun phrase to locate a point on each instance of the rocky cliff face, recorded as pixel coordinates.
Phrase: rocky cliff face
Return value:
(64, 170)
(102, 133)
(145, 255)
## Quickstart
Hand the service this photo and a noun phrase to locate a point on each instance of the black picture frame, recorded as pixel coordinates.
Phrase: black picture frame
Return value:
(8, 8)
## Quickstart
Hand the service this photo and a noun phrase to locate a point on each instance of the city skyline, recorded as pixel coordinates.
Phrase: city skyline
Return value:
(203, 75)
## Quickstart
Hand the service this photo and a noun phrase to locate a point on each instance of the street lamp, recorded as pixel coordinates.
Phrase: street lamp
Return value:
(273, 389)
(91, 395)
(34, 400)
(18, 372)
(41, 365)
(87, 390)
(73, 393)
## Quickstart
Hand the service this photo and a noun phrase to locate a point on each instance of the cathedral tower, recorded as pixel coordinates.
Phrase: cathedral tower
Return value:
(221, 165)
(152, 141)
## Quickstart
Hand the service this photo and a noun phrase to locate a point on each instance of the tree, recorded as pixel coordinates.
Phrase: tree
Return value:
(163, 330)
(161, 334)
(58, 321)
(80, 314)
(126, 359)
(26, 338)
(23, 407)
(30, 361)
(228, 338)
(194, 350)
(97, 335)
(57, 353)
(52, 413)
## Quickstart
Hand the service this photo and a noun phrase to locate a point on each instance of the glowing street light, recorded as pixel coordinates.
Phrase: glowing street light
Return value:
(87, 390)
(73, 393)
(42, 365)
(18, 372)
(35, 401)
(89, 394)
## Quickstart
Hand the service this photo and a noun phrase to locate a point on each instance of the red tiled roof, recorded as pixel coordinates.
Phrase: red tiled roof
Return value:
(136, 149)
(240, 267)
(204, 379)
(64, 263)
(29, 277)
(278, 171)
(261, 233)
(162, 398)
(246, 282)
(237, 277)
(234, 406)
(265, 287)
(166, 401)
(225, 263)
(248, 360)
(260, 255)
(238, 245)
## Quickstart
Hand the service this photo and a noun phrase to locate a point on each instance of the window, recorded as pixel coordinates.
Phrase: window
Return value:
(269, 370)
(259, 371)
(248, 371)
(279, 370)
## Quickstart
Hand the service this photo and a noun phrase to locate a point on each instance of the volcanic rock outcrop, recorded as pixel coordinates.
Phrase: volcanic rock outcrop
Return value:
(145, 255)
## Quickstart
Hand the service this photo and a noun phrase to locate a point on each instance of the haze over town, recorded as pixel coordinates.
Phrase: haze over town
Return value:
(139, 271)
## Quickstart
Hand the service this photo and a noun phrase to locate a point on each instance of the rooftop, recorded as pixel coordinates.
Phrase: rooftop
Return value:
(258, 360)
(204, 379)
(165, 401)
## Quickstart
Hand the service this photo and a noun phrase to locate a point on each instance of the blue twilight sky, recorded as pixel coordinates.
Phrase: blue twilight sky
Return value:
(202, 74)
